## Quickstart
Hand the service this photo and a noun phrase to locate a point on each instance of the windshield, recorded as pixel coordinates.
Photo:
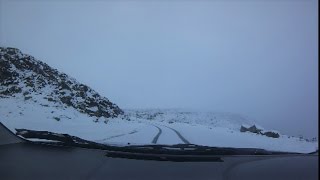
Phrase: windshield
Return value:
(215, 74)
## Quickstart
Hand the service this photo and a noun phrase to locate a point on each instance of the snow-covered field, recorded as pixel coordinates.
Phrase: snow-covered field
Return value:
(143, 126)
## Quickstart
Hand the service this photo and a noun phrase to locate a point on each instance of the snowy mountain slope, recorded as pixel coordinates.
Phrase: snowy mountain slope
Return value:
(22, 74)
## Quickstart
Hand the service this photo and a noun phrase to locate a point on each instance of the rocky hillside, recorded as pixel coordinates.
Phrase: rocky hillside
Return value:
(23, 75)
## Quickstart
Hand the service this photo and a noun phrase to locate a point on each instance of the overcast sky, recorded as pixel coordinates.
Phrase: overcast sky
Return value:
(257, 58)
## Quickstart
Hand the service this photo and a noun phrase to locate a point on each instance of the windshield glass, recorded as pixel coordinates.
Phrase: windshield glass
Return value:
(219, 74)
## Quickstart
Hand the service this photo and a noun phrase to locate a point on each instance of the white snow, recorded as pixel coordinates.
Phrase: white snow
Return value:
(138, 127)
(94, 108)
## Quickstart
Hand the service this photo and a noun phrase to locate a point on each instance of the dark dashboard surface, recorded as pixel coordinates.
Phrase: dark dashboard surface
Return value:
(34, 161)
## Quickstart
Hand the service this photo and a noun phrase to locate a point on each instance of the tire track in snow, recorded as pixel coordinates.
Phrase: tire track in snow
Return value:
(179, 135)
(155, 139)
(119, 135)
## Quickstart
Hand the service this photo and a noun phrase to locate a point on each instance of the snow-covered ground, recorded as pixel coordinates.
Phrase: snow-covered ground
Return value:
(143, 126)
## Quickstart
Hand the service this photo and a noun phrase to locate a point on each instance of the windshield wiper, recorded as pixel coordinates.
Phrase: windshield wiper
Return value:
(178, 152)
(193, 149)
(58, 138)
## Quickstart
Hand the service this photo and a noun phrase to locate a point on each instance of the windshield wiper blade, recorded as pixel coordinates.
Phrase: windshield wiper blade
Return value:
(165, 157)
(193, 149)
(66, 139)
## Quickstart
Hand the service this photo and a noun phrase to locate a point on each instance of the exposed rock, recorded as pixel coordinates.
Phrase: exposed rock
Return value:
(243, 129)
(271, 134)
(56, 118)
(254, 129)
(27, 98)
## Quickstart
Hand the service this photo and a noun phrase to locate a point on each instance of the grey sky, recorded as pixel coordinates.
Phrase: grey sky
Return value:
(257, 58)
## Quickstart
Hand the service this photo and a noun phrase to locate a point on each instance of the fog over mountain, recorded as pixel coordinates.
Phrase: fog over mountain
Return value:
(255, 58)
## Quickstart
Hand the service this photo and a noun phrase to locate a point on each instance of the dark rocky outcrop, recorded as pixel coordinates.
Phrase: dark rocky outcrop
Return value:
(23, 74)
(254, 129)
(271, 134)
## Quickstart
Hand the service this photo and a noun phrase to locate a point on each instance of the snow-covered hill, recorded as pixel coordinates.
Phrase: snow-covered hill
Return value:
(23, 76)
